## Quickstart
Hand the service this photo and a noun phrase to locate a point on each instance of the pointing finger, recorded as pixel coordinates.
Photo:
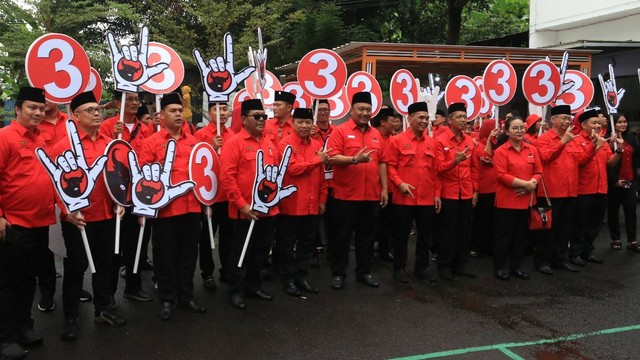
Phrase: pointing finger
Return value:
(113, 47)
(144, 42)
(228, 51)
(284, 165)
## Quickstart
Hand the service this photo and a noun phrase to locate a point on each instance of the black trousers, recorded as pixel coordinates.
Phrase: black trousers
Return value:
(101, 236)
(324, 222)
(510, 241)
(129, 231)
(18, 276)
(404, 218)
(482, 224)
(220, 222)
(46, 272)
(590, 211)
(552, 245)
(247, 278)
(296, 239)
(453, 244)
(350, 216)
(385, 233)
(175, 252)
(627, 198)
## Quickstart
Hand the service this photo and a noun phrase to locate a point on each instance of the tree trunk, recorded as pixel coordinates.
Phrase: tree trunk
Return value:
(455, 20)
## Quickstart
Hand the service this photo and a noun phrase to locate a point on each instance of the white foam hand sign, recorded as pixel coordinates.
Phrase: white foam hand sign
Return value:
(267, 188)
(151, 184)
(130, 63)
(73, 179)
(566, 86)
(432, 99)
(219, 78)
(612, 95)
(260, 60)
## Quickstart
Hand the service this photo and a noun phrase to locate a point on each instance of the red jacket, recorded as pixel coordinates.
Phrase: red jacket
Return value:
(460, 181)
(140, 132)
(592, 175)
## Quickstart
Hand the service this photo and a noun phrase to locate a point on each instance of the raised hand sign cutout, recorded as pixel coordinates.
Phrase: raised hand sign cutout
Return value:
(219, 78)
(73, 179)
(612, 95)
(130, 63)
(151, 185)
(267, 188)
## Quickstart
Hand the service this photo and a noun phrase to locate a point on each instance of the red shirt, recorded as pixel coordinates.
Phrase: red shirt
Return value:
(356, 182)
(26, 191)
(510, 164)
(52, 133)
(439, 130)
(306, 172)
(141, 131)
(487, 180)
(154, 150)
(592, 175)
(458, 181)
(238, 164)
(207, 134)
(412, 160)
(560, 164)
(276, 132)
(322, 136)
(530, 138)
(100, 203)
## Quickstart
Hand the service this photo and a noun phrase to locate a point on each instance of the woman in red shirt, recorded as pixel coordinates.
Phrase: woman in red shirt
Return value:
(623, 186)
(518, 170)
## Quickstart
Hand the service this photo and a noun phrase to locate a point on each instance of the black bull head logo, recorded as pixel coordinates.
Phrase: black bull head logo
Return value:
(146, 192)
(72, 185)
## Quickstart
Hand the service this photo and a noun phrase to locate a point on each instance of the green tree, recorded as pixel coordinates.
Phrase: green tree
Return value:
(505, 17)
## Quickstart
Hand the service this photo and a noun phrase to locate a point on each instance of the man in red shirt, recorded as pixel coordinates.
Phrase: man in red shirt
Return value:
(360, 183)
(280, 126)
(26, 211)
(220, 209)
(238, 164)
(97, 220)
(560, 155)
(176, 230)
(592, 188)
(412, 165)
(458, 175)
(298, 218)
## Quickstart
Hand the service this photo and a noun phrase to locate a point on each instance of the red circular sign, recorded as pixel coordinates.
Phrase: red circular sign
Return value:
(403, 90)
(579, 95)
(322, 73)
(339, 104)
(363, 81)
(485, 108)
(463, 89)
(117, 173)
(303, 100)
(95, 84)
(168, 80)
(541, 83)
(204, 169)
(241, 96)
(271, 85)
(500, 82)
(59, 65)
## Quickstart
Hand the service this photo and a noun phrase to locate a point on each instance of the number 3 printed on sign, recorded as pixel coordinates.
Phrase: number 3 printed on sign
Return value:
(463, 89)
(541, 82)
(500, 82)
(403, 90)
(363, 81)
(203, 166)
(322, 73)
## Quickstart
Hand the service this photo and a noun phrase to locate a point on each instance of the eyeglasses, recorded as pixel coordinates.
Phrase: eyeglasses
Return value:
(257, 117)
(323, 111)
(93, 110)
(518, 129)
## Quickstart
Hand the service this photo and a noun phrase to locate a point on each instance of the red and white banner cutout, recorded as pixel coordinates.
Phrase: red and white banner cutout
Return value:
(171, 78)
(95, 84)
(541, 82)
(204, 168)
(272, 84)
(485, 107)
(579, 96)
(463, 89)
(303, 100)
(322, 73)
(403, 91)
(339, 104)
(500, 82)
(363, 81)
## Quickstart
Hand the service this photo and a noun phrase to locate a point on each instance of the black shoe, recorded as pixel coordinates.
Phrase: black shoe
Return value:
(166, 310)
(11, 351)
(425, 274)
(315, 261)
(146, 265)
(237, 301)
(337, 282)
(192, 306)
(46, 304)
(85, 296)
(306, 287)
(545, 269)
(209, 283)
(520, 274)
(292, 290)
(464, 273)
(593, 259)
(137, 295)
(28, 337)
(578, 261)
(112, 303)
(568, 267)
(266, 275)
(70, 329)
(446, 274)
(368, 280)
(502, 275)
(400, 276)
(109, 317)
(260, 294)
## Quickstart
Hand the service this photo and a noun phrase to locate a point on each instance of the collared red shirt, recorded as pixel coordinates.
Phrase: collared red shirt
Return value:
(356, 182)
(26, 192)
(487, 180)
(208, 134)
(458, 181)
(510, 164)
(412, 160)
(306, 172)
(322, 136)
(238, 169)
(100, 203)
(592, 175)
(276, 132)
(154, 150)
(140, 130)
(52, 133)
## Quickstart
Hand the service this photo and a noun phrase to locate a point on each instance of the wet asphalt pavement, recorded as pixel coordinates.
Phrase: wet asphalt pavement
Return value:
(393, 321)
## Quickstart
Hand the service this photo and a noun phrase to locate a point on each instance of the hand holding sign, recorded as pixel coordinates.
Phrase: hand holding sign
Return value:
(151, 185)
(218, 77)
(73, 179)
(612, 95)
(130, 68)
(267, 188)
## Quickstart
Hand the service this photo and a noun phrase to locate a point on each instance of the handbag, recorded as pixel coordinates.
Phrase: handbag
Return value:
(540, 214)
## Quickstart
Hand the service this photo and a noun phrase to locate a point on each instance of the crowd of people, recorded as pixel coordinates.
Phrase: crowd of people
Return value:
(464, 188)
